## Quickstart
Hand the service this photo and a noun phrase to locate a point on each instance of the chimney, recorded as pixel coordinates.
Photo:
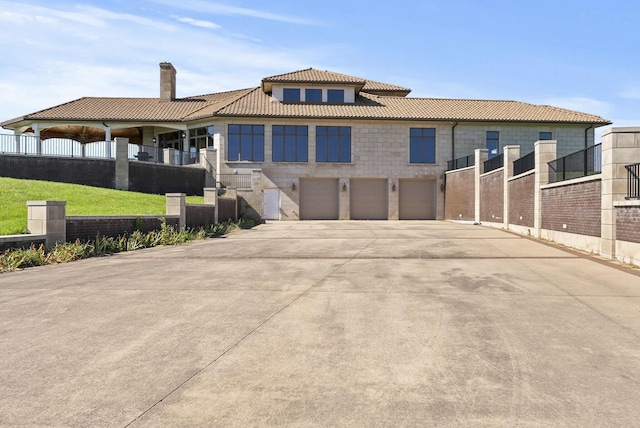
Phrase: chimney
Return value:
(167, 82)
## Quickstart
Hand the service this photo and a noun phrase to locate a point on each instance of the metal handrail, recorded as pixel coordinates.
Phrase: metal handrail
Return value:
(494, 163)
(582, 163)
(463, 162)
(524, 164)
(633, 181)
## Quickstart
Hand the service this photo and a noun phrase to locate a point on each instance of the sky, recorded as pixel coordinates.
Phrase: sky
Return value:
(576, 54)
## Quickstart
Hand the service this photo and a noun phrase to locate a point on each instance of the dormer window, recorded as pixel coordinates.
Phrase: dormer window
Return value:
(313, 95)
(335, 95)
(291, 95)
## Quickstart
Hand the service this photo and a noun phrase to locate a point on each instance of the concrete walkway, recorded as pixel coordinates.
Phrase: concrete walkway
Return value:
(324, 324)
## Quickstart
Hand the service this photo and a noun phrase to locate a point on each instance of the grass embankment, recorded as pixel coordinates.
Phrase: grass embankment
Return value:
(81, 200)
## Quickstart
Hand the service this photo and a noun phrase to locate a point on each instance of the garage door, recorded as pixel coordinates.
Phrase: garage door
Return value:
(417, 199)
(319, 199)
(368, 199)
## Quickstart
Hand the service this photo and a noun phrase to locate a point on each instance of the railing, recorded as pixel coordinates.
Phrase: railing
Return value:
(462, 162)
(146, 153)
(524, 164)
(235, 181)
(575, 165)
(494, 163)
(633, 181)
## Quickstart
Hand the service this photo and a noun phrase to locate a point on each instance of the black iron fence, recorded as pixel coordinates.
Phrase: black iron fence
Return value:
(633, 181)
(235, 181)
(524, 164)
(494, 163)
(462, 162)
(575, 165)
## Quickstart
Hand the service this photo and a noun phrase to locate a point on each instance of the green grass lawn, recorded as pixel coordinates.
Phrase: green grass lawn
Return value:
(81, 200)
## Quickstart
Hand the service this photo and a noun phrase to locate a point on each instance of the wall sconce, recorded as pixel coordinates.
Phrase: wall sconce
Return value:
(293, 187)
(344, 187)
(154, 140)
(393, 187)
(184, 135)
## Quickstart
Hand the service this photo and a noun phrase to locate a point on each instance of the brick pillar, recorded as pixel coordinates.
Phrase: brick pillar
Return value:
(48, 218)
(481, 155)
(545, 152)
(620, 147)
(176, 206)
(122, 163)
(344, 203)
(510, 153)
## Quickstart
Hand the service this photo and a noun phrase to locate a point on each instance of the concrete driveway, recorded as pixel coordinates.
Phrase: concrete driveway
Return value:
(324, 324)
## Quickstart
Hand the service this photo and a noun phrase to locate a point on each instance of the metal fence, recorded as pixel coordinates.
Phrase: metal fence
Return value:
(575, 165)
(494, 163)
(235, 181)
(524, 164)
(633, 181)
(462, 162)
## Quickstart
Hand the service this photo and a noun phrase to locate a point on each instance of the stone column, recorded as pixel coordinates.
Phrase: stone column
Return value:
(177, 206)
(545, 152)
(169, 156)
(510, 153)
(122, 163)
(211, 198)
(481, 155)
(36, 131)
(208, 160)
(620, 147)
(48, 218)
(107, 139)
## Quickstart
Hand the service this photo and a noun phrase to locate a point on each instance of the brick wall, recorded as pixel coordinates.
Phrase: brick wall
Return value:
(90, 172)
(628, 224)
(226, 209)
(492, 196)
(577, 205)
(200, 215)
(160, 179)
(22, 241)
(521, 200)
(87, 228)
(460, 195)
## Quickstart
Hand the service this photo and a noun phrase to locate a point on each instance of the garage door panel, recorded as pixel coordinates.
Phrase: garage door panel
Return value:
(368, 199)
(417, 200)
(319, 199)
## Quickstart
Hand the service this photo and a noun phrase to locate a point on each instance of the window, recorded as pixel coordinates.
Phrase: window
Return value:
(333, 144)
(493, 143)
(422, 145)
(200, 138)
(289, 143)
(246, 143)
(291, 95)
(313, 95)
(335, 95)
(545, 136)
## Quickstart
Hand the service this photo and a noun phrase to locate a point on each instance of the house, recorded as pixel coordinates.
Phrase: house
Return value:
(323, 145)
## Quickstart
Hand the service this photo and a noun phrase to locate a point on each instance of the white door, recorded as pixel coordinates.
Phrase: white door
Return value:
(272, 204)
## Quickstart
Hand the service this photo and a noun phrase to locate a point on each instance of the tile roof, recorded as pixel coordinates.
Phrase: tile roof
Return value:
(368, 106)
(254, 102)
(313, 76)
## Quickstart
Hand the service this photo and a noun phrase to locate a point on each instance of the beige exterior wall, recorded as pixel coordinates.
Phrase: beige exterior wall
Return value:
(380, 149)
(570, 138)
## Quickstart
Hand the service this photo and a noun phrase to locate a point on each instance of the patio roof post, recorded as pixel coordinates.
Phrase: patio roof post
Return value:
(36, 131)
(107, 138)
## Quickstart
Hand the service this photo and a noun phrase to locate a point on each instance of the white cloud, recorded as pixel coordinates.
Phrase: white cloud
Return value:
(197, 23)
(222, 9)
(54, 57)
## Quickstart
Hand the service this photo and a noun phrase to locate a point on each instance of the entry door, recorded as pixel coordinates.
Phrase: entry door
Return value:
(272, 204)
